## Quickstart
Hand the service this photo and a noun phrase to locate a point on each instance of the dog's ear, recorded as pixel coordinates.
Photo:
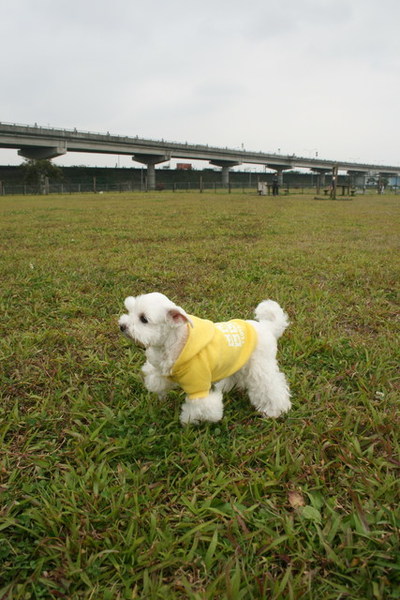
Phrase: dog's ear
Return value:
(178, 316)
(129, 303)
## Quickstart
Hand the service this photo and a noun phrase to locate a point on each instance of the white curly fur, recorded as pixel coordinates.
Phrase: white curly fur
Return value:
(156, 323)
(203, 409)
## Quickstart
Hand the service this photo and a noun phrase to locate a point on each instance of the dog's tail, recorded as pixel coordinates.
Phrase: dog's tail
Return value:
(269, 310)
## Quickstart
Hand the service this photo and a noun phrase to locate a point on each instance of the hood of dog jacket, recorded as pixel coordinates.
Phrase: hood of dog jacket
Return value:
(212, 352)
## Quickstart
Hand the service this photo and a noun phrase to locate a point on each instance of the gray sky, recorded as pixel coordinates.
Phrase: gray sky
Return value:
(295, 76)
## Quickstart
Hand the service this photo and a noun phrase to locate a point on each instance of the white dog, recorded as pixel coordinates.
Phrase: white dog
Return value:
(193, 353)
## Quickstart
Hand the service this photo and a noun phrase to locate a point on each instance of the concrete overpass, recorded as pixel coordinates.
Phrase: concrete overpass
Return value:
(45, 143)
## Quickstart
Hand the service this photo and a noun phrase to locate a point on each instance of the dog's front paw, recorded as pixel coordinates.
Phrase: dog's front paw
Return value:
(202, 409)
(154, 381)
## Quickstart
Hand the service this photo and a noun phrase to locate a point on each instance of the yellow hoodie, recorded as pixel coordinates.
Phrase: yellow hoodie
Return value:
(212, 352)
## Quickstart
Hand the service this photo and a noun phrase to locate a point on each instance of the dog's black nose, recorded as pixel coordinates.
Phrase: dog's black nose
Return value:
(123, 327)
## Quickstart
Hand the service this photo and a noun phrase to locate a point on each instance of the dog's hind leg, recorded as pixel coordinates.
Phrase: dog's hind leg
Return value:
(268, 391)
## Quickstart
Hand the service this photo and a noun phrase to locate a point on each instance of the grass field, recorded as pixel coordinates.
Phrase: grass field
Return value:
(104, 495)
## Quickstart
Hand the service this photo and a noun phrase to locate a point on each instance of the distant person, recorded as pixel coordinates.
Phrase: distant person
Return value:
(275, 186)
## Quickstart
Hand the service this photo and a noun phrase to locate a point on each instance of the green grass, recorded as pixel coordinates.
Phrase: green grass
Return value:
(104, 495)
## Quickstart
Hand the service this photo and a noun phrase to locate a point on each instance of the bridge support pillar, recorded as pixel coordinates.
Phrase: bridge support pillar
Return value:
(151, 175)
(357, 178)
(151, 160)
(279, 168)
(226, 166)
(321, 178)
(225, 176)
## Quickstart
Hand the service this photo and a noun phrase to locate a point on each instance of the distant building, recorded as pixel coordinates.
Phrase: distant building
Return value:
(184, 166)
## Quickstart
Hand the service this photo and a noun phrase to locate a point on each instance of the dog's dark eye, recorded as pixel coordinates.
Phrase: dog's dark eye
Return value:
(143, 319)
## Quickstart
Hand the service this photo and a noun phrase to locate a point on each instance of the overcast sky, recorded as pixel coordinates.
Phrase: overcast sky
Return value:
(295, 76)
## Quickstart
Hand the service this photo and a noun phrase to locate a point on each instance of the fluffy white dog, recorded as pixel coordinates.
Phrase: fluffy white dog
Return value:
(192, 353)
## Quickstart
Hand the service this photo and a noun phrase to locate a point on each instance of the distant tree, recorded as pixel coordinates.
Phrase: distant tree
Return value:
(37, 171)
